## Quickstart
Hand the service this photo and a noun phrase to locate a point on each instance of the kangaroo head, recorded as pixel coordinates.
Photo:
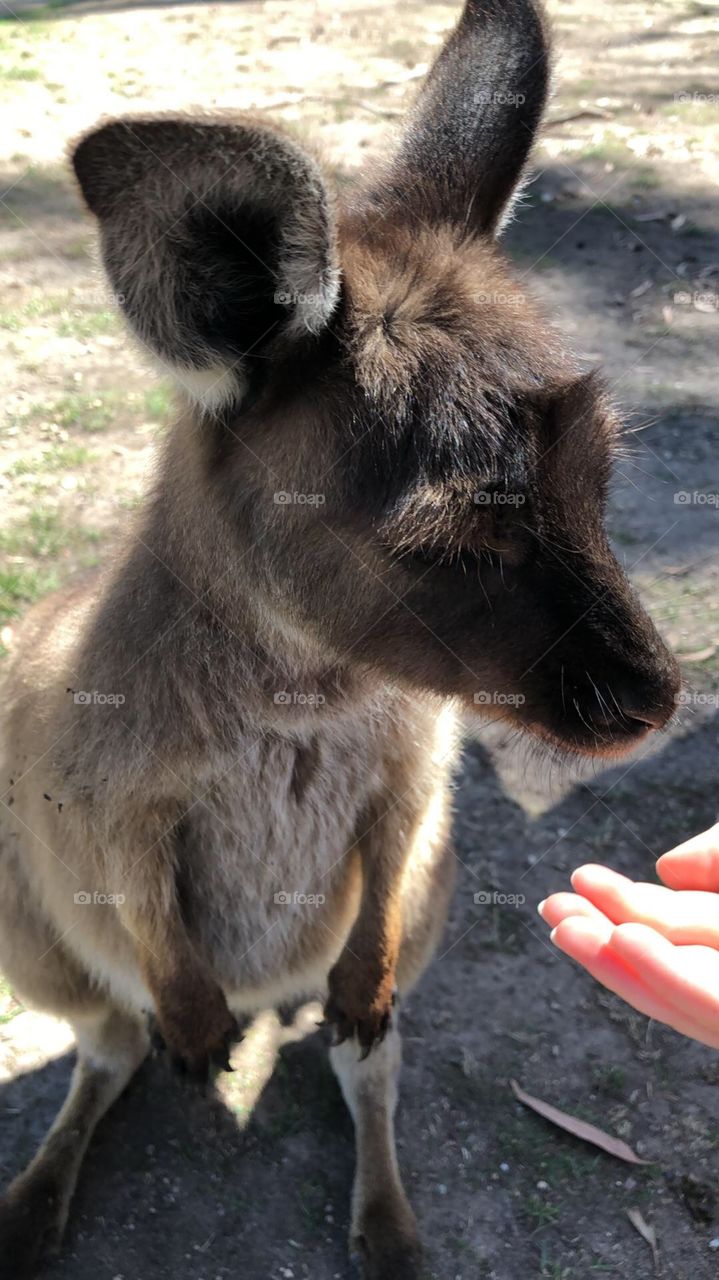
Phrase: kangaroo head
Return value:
(414, 472)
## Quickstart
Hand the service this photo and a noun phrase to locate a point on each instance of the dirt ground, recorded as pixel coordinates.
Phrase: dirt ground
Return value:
(617, 233)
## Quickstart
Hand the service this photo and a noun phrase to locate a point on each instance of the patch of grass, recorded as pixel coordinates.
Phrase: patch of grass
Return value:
(159, 403)
(87, 324)
(19, 73)
(552, 1270)
(402, 51)
(609, 150)
(40, 308)
(541, 1213)
(312, 1195)
(71, 323)
(90, 412)
(22, 586)
(646, 178)
(613, 152)
(701, 110)
(44, 535)
(625, 537)
(59, 457)
(611, 1081)
(78, 248)
(467, 1252)
(9, 1006)
(131, 502)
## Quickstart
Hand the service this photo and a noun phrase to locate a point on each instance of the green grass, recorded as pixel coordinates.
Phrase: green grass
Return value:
(88, 411)
(87, 324)
(92, 412)
(615, 153)
(611, 1081)
(9, 1006)
(541, 1213)
(59, 457)
(71, 323)
(19, 73)
(159, 403)
(23, 586)
(41, 308)
(697, 112)
(44, 535)
(551, 1270)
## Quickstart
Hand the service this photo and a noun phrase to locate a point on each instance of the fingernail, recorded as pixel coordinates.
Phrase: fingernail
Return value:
(541, 906)
(553, 934)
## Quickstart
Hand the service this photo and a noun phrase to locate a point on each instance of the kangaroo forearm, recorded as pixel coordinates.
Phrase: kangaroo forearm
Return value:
(189, 1004)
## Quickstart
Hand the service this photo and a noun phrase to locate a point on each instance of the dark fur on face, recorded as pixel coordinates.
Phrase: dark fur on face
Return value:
(382, 358)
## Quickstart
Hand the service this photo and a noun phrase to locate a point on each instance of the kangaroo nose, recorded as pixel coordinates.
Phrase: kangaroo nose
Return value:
(647, 707)
(647, 717)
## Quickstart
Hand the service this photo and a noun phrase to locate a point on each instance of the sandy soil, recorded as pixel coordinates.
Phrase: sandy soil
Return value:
(617, 233)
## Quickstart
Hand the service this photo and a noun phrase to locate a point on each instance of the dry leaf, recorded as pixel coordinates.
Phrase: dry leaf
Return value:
(646, 1232)
(699, 655)
(580, 1128)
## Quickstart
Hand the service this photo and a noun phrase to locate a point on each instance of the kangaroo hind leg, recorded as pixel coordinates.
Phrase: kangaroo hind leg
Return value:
(383, 1233)
(34, 1209)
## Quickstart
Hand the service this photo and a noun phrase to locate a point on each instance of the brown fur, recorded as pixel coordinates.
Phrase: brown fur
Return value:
(382, 504)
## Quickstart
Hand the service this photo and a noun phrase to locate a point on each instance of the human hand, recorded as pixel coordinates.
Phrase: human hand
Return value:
(656, 947)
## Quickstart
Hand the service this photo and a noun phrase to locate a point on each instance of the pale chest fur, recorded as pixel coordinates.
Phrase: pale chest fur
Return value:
(266, 862)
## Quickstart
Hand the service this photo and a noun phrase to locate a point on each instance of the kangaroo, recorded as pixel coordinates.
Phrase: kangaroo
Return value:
(228, 759)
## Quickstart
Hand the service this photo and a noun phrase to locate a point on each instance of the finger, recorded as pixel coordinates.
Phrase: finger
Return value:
(588, 942)
(558, 906)
(688, 977)
(693, 864)
(686, 917)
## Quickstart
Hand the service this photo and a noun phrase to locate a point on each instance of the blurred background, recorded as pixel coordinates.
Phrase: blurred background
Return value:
(617, 232)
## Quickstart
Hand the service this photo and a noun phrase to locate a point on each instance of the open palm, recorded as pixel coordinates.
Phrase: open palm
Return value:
(656, 947)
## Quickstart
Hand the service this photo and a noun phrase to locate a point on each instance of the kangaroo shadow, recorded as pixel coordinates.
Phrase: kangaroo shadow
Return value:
(176, 1176)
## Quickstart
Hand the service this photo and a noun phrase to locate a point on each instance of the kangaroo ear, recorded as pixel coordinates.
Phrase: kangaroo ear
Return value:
(217, 237)
(472, 128)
